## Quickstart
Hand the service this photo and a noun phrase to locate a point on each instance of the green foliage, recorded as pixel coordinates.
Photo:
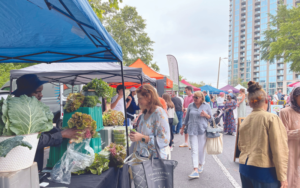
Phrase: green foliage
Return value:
(74, 101)
(111, 92)
(117, 155)
(181, 78)
(90, 101)
(112, 118)
(282, 39)
(101, 87)
(197, 84)
(100, 10)
(5, 69)
(244, 84)
(85, 123)
(25, 115)
(127, 27)
(99, 165)
(7, 145)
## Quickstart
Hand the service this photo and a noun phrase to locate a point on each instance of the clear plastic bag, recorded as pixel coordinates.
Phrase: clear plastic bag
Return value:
(77, 157)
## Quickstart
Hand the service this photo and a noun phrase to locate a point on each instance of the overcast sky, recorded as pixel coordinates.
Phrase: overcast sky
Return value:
(194, 31)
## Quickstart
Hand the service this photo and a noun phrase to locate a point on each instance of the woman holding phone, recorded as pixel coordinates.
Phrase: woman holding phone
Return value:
(153, 124)
(197, 116)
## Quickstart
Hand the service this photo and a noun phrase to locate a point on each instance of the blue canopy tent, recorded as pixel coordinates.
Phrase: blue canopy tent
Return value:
(48, 31)
(212, 90)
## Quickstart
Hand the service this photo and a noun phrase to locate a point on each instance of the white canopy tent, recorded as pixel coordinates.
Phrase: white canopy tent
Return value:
(241, 87)
(83, 73)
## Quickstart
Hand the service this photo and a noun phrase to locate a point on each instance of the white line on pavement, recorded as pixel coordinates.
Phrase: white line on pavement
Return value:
(227, 174)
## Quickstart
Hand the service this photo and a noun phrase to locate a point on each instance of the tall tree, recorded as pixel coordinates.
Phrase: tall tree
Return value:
(197, 84)
(282, 39)
(127, 27)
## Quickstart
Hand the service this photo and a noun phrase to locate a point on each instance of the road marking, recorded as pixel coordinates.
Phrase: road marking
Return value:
(227, 174)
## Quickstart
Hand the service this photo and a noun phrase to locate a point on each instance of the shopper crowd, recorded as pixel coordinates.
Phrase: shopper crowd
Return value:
(269, 144)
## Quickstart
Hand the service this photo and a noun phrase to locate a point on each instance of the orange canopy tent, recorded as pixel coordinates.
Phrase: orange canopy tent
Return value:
(151, 73)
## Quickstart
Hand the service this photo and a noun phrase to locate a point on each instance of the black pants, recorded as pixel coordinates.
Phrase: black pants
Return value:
(172, 134)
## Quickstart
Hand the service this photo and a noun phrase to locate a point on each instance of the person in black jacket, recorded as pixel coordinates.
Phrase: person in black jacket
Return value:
(131, 110)
(32, 86)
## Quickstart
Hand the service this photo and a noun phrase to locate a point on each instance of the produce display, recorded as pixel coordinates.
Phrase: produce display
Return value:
(100, 87)
(113, 118)
(90, 101)
(119, 136)
(22, 116)
(99, 165)
(85, 123)
(74, 101)
(117, 155)
(7, 145)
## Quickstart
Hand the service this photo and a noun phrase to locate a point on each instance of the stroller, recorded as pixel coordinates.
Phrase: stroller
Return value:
(217, 117)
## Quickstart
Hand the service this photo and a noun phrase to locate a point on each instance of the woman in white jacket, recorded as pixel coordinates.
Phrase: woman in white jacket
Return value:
(171, 112)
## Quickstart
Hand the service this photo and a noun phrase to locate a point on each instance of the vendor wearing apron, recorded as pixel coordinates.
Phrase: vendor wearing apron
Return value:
(30, 85)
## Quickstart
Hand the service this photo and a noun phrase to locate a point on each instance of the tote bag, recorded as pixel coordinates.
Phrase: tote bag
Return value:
(175, 119)
(153, 173)
(214, 140)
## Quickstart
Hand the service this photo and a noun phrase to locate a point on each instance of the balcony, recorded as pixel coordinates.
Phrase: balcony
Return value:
(243, 28)
(257, 7)
(280, 66)
(242, 55)
(256, 52)
(242, 43)
(257, 30)
(243, 12)
(280, 78)
(242, 59)
(257, 1)
(256, 75)
(256, 58)
(256, 70)
(257, 18)
(257, 23)
(279, 73)
(256, 64)
(256, 38)
(243, 18)
(257, 12)
(256, 46)
(243, 38)
(243, 34)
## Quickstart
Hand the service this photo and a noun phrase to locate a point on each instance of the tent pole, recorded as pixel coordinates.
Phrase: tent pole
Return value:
(10, 85)
(126, 126)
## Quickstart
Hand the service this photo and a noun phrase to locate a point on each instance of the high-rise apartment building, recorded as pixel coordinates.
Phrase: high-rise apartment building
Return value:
(247, 21)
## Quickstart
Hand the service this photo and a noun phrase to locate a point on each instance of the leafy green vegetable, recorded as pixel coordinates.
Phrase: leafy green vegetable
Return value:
(132, 130)
(74, 101)
(90, 101)
(25, 115)
(99, 165)
(7, 145)
(117, 155)
(113, 117)
(101, 87)
(85, 123)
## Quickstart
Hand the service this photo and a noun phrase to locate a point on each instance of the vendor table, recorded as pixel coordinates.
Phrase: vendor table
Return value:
(112, 178)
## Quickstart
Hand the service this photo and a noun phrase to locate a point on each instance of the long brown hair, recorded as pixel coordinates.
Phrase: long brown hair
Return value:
(168, 100)
(150, 93)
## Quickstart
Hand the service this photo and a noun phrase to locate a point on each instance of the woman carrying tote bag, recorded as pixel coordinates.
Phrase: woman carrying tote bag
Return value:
(197, 116)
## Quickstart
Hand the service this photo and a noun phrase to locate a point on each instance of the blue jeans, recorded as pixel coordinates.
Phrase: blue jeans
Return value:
(251, 183)
(179, 125)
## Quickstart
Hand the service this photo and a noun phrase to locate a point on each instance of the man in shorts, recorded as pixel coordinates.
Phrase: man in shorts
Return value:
(187, 101)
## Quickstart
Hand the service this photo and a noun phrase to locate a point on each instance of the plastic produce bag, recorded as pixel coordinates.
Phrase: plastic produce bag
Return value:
(77, 157)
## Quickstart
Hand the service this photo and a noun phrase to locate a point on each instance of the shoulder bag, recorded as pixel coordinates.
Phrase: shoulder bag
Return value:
(175, 119)
(214, 140)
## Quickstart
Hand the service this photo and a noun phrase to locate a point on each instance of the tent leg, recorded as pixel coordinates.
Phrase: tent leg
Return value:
(126, 126)
(11, 80)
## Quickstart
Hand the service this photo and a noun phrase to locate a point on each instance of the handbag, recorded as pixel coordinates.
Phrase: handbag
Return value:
(214, 140)
(153, 173)
(175, 119)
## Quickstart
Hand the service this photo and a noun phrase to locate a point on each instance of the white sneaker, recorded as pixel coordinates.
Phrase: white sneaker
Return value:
(171, 148)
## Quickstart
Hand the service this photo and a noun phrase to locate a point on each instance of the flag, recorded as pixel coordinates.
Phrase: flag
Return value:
(173, 69)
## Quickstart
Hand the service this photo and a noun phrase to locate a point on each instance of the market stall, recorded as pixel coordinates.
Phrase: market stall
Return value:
(229, 87)
(47, 31)
(188, 84)
(212, 90)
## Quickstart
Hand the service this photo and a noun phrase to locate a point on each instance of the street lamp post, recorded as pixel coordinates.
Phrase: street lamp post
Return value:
(219, 70)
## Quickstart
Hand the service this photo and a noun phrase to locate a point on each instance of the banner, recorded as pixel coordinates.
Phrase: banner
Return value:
(173, 69)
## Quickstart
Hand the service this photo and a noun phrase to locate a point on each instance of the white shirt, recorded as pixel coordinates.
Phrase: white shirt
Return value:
(120, 105)
(220, 100)
(171, 112)
(275, 98)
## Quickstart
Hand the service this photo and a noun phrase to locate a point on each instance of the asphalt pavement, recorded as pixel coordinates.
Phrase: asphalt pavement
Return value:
(219, 170)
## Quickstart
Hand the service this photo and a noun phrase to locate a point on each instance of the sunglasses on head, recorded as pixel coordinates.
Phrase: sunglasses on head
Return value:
(196, 97)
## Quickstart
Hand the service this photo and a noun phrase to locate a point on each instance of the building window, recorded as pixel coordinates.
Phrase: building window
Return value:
(263, 68)
(272, 79)
(289, 77)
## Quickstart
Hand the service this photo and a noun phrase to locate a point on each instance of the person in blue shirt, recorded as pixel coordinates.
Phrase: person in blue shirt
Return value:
(279, 95)
(131, 110)
(207, 98)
